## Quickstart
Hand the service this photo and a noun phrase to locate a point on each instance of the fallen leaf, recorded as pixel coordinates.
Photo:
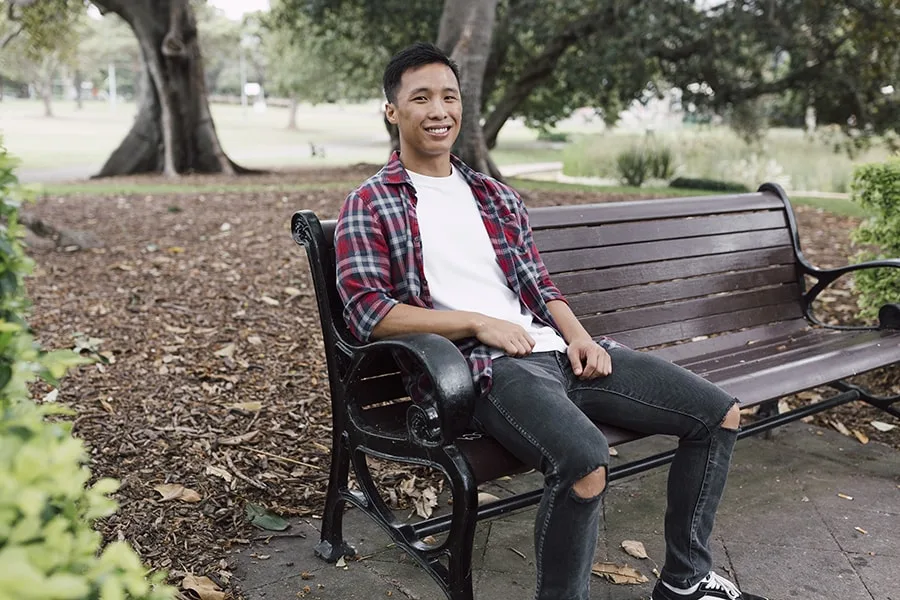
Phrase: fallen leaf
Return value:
(175, 249)
(239, 439)
(225, 227)
(634, 548)
(484, 498)
(841, 427)
(107, 357)
(227, 350)
(619, 574)
(270, 301)
(884, 427)
(258, 516)
(340, 562)
(845, 496)
(254, 340)
(429, 539)
(863, 438)
(219, 472)
(179, 330)
(426, 502)
(613, 452)
(292, 291)
(204, 587)
(305, 575)
(176, 491)
(861, 530)
(247, 406)
(51, 396)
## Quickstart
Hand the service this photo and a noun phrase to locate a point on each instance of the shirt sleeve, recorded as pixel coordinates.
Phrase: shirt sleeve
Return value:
(363, 267)
(548, 289)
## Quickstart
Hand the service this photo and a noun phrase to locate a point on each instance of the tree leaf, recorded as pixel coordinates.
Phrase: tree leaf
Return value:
(176, 491)
(863, 438)
(883, 427)
(203, 587)
(227, 351)
(634, 548)
(484, 498)
(259, 516)
(618, 574)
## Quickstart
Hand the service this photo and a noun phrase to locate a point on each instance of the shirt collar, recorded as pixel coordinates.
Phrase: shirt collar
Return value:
(393, 173)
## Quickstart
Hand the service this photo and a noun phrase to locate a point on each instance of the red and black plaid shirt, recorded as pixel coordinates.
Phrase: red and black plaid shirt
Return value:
(379, 257)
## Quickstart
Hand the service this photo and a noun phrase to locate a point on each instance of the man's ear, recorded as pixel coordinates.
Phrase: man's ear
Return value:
(390, 112)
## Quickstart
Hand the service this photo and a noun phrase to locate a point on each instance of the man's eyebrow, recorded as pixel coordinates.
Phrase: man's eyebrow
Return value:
(424, 90)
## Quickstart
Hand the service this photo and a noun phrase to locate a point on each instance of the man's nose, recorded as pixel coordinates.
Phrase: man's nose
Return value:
(436, 109)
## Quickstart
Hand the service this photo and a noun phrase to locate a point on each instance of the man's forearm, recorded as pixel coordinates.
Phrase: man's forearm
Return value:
(567, 322)
(403, 319)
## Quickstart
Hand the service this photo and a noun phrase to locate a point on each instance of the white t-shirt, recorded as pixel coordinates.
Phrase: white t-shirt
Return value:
(460, 263)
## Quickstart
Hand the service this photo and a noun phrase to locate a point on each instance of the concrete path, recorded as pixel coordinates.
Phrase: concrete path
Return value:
(782, 530)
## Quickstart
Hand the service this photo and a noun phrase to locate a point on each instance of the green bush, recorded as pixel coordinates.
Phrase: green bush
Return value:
(48, 547)
(633, 166)
(661, 161)
(877, 189)
(712, 185)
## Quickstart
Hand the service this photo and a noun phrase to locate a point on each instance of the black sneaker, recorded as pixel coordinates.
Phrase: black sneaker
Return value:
(712, 587)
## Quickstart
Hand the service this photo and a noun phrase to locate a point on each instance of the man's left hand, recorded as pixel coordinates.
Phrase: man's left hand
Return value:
(589, 360)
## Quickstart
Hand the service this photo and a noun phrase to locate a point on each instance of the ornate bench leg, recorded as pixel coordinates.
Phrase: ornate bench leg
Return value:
(332, 546)
(462, 528)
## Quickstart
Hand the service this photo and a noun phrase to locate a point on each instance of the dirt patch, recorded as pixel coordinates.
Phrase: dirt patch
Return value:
(218, 381)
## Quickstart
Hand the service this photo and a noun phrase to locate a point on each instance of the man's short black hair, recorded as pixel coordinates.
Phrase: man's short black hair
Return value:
(413, 57)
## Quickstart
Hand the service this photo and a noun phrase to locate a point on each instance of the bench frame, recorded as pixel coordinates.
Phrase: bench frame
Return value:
(435, 434)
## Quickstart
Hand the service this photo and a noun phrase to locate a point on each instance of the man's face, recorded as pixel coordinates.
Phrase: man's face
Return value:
(427, 111)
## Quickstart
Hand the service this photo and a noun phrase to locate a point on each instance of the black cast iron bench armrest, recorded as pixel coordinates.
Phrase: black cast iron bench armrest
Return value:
(450, 377)
(888, 316)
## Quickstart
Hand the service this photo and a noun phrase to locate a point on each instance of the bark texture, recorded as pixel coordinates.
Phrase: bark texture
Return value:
(465, 32)
(173, 132)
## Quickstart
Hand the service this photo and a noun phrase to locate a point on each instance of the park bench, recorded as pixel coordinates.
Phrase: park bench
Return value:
(717, 284)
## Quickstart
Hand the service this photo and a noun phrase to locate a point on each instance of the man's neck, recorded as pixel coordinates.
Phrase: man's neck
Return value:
(432, 166)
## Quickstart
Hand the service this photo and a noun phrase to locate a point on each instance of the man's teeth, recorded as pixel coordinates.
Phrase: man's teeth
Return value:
(438, 129)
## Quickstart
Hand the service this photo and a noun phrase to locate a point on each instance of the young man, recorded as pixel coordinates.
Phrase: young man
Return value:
(428, 245)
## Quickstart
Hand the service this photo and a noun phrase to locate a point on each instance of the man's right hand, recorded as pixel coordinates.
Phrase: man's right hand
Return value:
(503, 335)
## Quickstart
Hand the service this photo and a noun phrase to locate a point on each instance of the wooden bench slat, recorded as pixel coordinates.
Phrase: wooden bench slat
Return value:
(783, 347)
(675, 312)
(642, 210)
(611, 278)
(574, 260)
(664, 229)
(686, 352)
(853, 353)
(685, 330)
(654, 293)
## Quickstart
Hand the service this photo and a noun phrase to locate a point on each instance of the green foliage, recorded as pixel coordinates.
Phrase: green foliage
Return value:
(713, 185)
(633, 166)
(638, 163)
(48, 548)
(876, 188)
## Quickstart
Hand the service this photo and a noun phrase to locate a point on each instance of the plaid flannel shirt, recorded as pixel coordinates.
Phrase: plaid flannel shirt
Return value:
(379, 258)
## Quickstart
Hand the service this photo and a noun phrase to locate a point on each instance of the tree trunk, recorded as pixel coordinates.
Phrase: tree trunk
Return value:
(77, 84)
(292, 113)
(466, 30)
(173, 132)
(47, 94)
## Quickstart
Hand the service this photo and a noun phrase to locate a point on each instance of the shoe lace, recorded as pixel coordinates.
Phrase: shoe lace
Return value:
(714, 581)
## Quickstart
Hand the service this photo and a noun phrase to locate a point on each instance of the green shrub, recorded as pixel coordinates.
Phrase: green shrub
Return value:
(877, 189)
(712, 185)
(661, 161)
(633, 166)
(545, 135)
(48, 547)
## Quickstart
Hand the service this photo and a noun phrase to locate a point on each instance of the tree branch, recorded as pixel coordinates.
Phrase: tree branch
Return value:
(10, 37)
(542, 67)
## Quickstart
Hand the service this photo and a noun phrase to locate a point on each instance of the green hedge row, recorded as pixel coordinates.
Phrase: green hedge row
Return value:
(49, 549)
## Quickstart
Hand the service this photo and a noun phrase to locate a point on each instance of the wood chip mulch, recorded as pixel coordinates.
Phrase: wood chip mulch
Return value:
(216, 380)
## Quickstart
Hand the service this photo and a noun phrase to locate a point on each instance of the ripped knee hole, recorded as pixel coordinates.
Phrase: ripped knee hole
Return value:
(732, 418)
(591, 485)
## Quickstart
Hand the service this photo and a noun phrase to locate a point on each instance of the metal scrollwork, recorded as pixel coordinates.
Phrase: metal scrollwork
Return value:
(424, 425)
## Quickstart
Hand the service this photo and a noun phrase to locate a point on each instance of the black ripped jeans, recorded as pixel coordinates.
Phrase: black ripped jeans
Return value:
(540, 411)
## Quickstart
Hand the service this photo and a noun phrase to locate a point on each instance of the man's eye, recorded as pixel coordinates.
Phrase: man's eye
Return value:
(450, 98)
(419, 98)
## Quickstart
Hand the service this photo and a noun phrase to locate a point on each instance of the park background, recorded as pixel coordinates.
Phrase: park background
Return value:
(179, 276)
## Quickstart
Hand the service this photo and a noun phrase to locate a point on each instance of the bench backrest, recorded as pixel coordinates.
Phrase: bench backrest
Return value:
(645, 273)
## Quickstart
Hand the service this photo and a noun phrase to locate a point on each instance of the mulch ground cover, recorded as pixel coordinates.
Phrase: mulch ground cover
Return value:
(213, 376)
